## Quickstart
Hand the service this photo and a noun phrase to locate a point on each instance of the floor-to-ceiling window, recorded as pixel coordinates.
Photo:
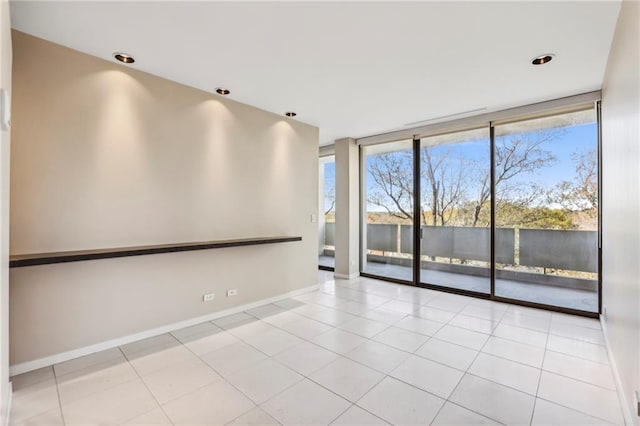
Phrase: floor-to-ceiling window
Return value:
(508, 210)
(387, 190)
(455, 210)
(546, 186)
(327, 212)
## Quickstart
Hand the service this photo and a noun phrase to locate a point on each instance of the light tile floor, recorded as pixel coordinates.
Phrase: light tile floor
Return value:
(351, 353)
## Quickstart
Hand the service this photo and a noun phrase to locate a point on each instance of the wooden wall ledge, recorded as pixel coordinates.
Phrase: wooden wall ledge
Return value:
(22, 260)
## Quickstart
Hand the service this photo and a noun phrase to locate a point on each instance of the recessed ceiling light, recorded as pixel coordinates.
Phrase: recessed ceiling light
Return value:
(124, 57)
(290, 114)
(543, 59)
(222, 91)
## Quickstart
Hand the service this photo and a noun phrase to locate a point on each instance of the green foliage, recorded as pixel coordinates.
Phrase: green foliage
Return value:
(516, 216)
(508, 215)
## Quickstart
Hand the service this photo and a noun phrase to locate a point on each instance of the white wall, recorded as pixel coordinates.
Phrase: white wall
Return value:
(5, 144)
(105, 156)
(621, 201)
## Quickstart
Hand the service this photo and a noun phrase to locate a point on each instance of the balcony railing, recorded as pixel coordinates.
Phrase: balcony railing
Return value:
(519, 252)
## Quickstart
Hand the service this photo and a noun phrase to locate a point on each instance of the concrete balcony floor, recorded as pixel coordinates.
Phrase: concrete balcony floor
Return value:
(538, 293)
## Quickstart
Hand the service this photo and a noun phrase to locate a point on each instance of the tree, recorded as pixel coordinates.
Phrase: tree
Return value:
(580, 194)
(392, 174)
(444, 183)
(443, 180)
(329, 198)
(515, 157)
(448, 178)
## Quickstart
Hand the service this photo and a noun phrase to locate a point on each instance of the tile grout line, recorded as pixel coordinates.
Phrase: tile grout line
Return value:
(146, 387)
(255, 405)
(214, 370)
(225, 379)
(447, 399)
(246, 412)
(55, 378)
(573, 356)
(363, 409)
(475, 412)
(608, 422)
(385, 375)
(544, 357)
(462, 378)
(429, 338)
(272, 357)
(444, 402)
(579, 357)
(579, 381)
(100, 366)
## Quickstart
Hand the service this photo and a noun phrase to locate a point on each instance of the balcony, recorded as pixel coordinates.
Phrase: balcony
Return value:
(551, 267)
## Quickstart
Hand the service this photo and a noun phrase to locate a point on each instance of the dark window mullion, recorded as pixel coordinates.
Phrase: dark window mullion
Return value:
(416, 212)
(492, 174)
(599, 215)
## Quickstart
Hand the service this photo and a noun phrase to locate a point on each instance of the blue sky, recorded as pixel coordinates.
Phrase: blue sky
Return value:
(576, 139)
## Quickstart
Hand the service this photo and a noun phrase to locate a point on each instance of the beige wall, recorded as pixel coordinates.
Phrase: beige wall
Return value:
(621, 200)
(347, 236)
(321, 222)
(5, 144)
(105, 156)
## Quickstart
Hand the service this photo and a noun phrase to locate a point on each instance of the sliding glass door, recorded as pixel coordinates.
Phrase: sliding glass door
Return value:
(455, 210)
(546, 186)
(388, 221)
(508, 211)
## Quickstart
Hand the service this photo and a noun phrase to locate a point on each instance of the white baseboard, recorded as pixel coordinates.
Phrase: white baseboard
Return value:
(87, 350)
(346, 277)
(7, 406)
(628, 419)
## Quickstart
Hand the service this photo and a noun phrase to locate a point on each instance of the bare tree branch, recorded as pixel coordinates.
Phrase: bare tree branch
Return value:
(393, 177)
(581, 193)
(448, 177)
(514, 157)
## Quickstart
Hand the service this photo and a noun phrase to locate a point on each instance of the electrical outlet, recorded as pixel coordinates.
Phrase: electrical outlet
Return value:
(208, 297)
(232, 292)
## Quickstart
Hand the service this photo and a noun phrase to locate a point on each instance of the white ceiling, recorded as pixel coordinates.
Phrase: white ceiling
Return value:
(352, 69)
